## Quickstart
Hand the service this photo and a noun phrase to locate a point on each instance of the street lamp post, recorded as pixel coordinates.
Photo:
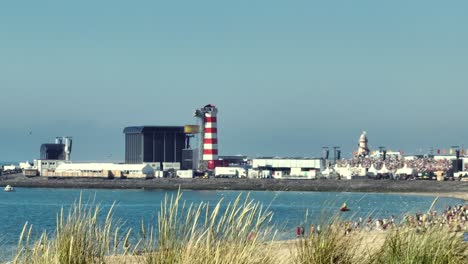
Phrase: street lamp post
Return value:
(336, 153)
(382, 152)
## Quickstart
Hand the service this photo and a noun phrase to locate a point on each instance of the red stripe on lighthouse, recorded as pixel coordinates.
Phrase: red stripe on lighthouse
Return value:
(210, 152)
(210, 141)
(210, 119)
(211, 130)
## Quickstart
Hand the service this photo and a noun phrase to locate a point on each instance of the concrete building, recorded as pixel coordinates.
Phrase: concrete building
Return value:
(104, 170)
(44, 166)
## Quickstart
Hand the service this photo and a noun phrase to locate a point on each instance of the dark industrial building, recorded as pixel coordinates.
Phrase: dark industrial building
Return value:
(154, 144)
(52, 152)
(188, 159)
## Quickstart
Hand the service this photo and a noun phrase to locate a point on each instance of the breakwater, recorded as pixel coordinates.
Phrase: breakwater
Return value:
(321, 185)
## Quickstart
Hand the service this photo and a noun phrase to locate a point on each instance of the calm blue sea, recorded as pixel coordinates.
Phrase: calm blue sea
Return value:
(39, 207)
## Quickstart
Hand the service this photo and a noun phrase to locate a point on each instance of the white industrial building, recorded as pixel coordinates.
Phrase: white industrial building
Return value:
(10, 167)
(298, 168)
(104, 170)
(62, 168)
(45, 166)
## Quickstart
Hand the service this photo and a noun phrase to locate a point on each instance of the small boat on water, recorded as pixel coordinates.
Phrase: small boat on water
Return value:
(8, 188)
(344, 208)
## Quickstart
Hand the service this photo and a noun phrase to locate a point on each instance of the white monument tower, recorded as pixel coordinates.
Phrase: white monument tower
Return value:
(363, 149)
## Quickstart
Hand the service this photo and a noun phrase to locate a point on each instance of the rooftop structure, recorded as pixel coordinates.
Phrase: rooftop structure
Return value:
(60, 150)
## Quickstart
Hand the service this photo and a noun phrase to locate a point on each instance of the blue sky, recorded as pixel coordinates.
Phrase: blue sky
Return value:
(288, 76)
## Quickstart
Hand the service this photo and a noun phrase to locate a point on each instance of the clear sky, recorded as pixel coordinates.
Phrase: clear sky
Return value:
(288, 76)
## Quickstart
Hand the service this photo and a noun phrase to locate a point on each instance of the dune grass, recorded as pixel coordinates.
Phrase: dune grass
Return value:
(399, 246)
(79, 238)
(329, 246)
(184, 234)
(234, 234)
(239, 232)
(434, 245)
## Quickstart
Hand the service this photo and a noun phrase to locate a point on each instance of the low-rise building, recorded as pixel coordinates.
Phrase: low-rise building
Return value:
(46, 166)
(288, 167)
(101, 170)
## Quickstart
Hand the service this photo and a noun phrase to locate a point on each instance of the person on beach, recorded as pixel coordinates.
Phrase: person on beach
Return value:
(369, 223)
(348, 227)
(357, 225)
(379, 224)
(252, 235)
(312, 230)
(298, 231)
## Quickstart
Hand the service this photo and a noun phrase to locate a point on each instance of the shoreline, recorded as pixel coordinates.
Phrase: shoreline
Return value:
(453, 189)
(457, 195)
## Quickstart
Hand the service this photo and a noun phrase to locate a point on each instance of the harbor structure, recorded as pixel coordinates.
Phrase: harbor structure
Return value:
(166, 151)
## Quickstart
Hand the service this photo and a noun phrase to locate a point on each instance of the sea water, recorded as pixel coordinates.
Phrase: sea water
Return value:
(39, 207)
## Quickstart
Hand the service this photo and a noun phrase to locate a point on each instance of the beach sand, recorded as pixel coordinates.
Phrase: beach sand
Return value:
(284, 251)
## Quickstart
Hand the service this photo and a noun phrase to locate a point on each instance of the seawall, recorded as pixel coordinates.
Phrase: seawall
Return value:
(385, 186)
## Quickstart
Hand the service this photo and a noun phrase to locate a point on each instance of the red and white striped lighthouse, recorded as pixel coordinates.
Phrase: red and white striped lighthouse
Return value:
(210, 135)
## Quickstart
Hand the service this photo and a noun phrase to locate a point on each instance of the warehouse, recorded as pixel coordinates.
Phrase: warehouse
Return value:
(154, 144)
(102, 170)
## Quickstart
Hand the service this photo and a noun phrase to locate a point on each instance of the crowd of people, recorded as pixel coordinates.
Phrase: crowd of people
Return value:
(393, 163)
(454, 219)
(429, 164)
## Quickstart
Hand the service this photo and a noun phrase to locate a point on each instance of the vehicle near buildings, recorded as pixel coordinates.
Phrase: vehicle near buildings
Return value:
(230, 172)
